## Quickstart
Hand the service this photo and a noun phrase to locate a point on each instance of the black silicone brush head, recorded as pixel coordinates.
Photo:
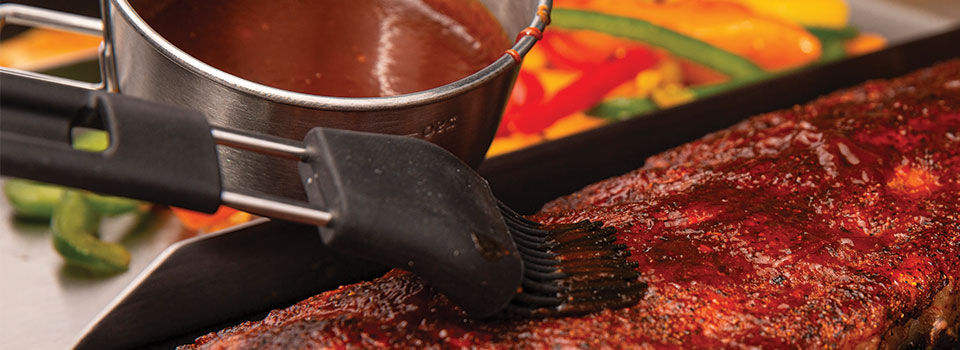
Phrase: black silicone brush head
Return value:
(570, 269)
(406, 203)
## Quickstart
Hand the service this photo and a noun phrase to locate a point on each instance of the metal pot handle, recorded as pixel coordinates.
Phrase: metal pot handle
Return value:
(38, 17)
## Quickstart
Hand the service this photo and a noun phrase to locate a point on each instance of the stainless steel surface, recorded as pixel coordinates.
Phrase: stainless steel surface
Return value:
(53, 79)
(45, 303)
(276, 208)
(904, 20)
(261, 204)
(38, 17)
(461, 116)
(257, 144)
(202, 282)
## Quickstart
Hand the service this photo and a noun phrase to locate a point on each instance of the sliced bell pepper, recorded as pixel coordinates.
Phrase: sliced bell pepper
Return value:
(583, 93)
(199, 222)
(110, 205)
(36, 200)
(91, 140)
(32, 200)
(768, 42)
(527, 94)
(626, 108)
(622, 108)
(821, 13)
(572, 124)
(581, 49)
(75, 225)
(864, 43)
(845, 33)
(833, 41)
(695, 50)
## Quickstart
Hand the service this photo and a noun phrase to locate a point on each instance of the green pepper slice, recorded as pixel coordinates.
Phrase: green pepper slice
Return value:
(618, 109)
(735, 66)
(624, 108)
(110, 205)
(832, 41)
(32, 200)
(75, 224)
(91, 140)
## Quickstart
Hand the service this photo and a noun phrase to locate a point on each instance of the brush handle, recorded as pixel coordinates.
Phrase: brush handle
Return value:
(159, 153)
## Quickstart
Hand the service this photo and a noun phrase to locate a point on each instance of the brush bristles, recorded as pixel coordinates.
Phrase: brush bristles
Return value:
(571, 269)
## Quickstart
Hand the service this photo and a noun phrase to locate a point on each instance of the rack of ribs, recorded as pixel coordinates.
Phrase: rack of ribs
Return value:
(834, 224)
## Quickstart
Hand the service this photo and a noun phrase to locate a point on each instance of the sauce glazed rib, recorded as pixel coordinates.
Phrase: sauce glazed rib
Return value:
(834, 224)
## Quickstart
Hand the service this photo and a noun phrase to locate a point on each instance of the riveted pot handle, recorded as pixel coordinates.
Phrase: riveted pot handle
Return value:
(38, 17)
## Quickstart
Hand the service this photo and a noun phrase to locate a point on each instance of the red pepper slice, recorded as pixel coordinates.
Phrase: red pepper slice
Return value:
(566, 52)
(527, 95)
(593, 84)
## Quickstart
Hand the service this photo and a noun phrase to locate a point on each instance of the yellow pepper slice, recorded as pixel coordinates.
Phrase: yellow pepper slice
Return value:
(817, 13)
(771, 43)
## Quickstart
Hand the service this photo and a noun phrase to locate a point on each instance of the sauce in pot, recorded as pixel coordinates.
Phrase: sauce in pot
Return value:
(345, 48)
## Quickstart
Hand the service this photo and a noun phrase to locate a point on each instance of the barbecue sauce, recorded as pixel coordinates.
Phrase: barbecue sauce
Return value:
(355, 48)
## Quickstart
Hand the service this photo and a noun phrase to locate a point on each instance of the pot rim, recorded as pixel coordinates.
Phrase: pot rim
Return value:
(164, 47)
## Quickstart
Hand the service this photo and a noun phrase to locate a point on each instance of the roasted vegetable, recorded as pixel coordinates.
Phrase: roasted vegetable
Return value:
(623, 108)
(819, 13)
(32, 200)
(704, 47)
(769, 42)
(735, 66)
(91, 140)
(833, 41)
(75, 224)
(110, 205)
(74, 215)
(592, 85)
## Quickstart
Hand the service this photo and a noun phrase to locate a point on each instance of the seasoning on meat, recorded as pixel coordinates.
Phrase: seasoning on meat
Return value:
(830, 225)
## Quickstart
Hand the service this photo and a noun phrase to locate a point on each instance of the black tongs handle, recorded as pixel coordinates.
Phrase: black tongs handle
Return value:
(159, 153)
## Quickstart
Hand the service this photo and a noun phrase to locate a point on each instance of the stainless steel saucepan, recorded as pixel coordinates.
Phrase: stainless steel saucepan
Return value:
(135, 60)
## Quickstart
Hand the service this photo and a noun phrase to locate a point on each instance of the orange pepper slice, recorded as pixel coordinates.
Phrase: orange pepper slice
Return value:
(196, 221)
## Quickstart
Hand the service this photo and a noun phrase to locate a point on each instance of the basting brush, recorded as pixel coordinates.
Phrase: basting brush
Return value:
(395, 200)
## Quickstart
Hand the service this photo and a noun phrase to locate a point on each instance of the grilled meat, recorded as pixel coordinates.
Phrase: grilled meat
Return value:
(830, 225)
